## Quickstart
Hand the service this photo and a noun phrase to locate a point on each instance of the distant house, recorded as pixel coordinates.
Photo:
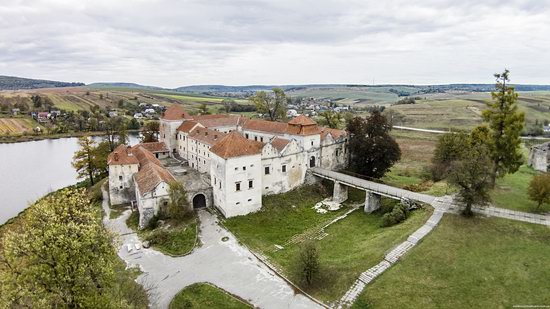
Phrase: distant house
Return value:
(143, 104)
(43, 117)
(155, 105)
(546, 129)
(291, 113)
(55, 113)
(15, 111)
(138, 116)
(539, 157)
(113, 114)
(149, 111)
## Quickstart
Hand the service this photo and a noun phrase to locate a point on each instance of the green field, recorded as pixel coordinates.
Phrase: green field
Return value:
(205, 295)
(468, 263)
(352, 245)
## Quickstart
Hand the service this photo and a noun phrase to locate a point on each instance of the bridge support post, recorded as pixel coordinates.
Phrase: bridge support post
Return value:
(372, 202)
(340, 192)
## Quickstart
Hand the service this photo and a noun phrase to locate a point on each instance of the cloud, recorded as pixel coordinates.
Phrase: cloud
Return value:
(172, 43)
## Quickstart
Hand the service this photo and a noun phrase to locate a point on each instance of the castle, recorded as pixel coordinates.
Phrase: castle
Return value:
(226, 161)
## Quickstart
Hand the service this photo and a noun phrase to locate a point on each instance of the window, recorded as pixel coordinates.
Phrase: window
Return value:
(284, 168)
(261, 139)
(250, 184)
(119, 177)
(237, 203)
(266, 169)
(215, 180)
(251, 165)
(244, 168)
(246, 135)
(255, 138)
(250, 200)
(220, 184)
(311, 143)
(236, 168)
(120, 187)
(237, 186)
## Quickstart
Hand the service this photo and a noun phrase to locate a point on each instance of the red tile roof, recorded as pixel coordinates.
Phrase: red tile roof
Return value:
(235, 145)
(155, 147)
(302, 120)
(279, 143)
(144, 156)
(175, 112)
(187, 126)
(150, 176)
(265, 126)
(206, 136)
(121, 155)
(336, 134)
(220, 121)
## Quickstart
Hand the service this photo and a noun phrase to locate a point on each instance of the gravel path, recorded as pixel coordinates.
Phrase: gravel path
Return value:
(225, 264)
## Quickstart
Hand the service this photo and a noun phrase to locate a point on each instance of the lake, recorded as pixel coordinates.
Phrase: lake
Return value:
(29, 170)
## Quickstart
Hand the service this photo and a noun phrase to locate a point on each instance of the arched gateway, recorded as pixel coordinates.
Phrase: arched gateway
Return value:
(199, 201)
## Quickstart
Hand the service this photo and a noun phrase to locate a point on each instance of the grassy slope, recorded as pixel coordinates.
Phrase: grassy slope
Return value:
(204, 295)
(469, 263)
(352, 245)
(179, 239)
(511, 191)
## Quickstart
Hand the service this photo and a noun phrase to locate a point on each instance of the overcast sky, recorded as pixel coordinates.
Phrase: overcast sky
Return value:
(173, 43)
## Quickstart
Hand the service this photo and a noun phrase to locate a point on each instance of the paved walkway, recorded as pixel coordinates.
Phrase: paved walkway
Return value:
(227, 265)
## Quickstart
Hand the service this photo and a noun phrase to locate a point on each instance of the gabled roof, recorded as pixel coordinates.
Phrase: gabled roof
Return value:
(121, 155)
(265, 126)
(236, 145)
(220, 121)
(144, 156)
(206, 136)
(151, 175)
(335, 133)
(187, 126)
(279, 143)
(175, 112)
(155, 147)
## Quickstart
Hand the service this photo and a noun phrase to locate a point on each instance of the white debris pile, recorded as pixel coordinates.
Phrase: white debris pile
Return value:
(327, 205)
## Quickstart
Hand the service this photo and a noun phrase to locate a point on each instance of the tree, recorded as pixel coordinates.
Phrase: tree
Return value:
(36, 101)
(228, 104)
(150, 132)
(61, 257)
(84, 159)
(372, 150)
(448, 149)
(178, 205)
(133, 124)
(115, 131)
(309, 261)
(332, 119)
(203, 109)
(274, 106)
(539, 189)
(506, 124)
(471, 173)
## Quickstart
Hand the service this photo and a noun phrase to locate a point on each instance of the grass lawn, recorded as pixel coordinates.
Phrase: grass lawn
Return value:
(469, 263)
(511, 191)
(174, 238)
(352, 245)
(205, 295)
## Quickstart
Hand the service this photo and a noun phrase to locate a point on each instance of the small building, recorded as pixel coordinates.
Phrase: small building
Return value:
(15, 111)
(113, 114)
(546, 129)
(149, 111)
(138, 116)
(43, 117)
(539, 157)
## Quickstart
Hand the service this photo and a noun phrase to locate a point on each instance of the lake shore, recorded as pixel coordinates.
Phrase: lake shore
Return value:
(12, 139)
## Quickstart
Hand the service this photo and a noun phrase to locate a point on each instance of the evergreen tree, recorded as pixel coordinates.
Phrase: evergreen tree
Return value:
(506, 124)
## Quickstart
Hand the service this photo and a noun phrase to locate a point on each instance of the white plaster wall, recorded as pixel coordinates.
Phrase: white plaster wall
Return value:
(278, 181)
(154, 198)
(333, 154)
(167, 131)
(539, 160)
(121, 182)
(240, 169)
(257, 136)
(198, 155)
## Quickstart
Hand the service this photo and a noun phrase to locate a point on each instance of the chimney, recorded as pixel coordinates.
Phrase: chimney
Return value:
(205, 133)
(215, 136)
(116, 156)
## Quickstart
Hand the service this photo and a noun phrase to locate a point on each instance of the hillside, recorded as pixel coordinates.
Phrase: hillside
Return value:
(15, 83)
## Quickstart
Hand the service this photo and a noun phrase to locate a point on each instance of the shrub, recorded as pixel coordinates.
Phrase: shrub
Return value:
(158, 237)
(153, 223)
(398, 214)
